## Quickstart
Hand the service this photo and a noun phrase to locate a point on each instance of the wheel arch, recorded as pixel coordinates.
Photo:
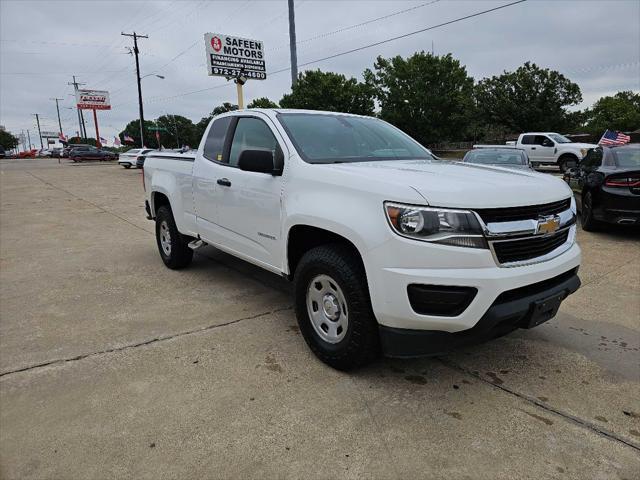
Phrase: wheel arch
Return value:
(302, 237)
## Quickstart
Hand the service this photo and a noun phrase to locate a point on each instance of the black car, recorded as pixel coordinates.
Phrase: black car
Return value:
(606, 185)
(79, 154)
(498, 157)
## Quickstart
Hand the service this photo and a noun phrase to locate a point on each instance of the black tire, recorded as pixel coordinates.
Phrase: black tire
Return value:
(178, 254)
(360, 344)
(588, 223)
(127, 166)
(562, 162)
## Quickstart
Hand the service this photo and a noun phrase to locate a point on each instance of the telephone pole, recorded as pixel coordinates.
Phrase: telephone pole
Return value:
(83, 131)
(135, 52)
(39, 132)
(58, 110)
(29, 137)
(292, 44)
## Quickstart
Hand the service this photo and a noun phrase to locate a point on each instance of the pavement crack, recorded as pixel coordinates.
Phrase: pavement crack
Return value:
(87, 201)
(150, 341)
(567, 416)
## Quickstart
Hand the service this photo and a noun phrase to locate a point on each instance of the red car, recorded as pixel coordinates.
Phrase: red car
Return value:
(28, 154)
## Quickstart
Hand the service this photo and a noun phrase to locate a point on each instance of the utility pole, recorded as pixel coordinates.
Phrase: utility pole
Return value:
(58, 110)
(39, 132)
(75, 84)
(29, 137)
(292, 44)
(136, 51)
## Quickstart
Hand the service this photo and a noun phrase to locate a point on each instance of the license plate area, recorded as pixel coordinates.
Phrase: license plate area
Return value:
(545, 309)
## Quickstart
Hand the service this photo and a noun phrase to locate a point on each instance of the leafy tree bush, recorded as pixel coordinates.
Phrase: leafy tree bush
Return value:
(618, 112)
(430, 97)
(528, 99)
(262, 102)
(316, 90)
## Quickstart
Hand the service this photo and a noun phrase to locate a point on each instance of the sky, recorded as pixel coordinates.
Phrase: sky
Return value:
(595, 43)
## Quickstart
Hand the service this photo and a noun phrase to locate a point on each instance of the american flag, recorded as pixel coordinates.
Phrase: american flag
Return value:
(116, 141)
(127, 138)
(612, 137)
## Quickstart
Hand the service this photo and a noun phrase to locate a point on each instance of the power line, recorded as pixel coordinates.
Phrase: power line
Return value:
(381, 42)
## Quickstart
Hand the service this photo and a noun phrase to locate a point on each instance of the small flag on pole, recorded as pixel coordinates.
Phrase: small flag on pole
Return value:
(612, 137)
(103, 140)
(127, 138)
(62, 138)
(116, 141)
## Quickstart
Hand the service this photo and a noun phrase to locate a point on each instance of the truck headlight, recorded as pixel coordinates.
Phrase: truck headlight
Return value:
(437, 225)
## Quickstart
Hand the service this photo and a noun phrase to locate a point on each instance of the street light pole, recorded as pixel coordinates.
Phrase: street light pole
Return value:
(83, 131)
(136, 51)
(58, 110)
(292, 43)
(39, 132)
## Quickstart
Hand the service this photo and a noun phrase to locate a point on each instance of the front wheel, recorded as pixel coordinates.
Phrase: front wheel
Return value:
(127, 166)
(333, 307)
(172, 245)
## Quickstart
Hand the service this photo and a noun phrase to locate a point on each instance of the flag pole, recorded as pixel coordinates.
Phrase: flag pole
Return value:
(605, 132)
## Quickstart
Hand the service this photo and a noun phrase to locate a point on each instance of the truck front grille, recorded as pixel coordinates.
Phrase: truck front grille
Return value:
(490, 215)
(522, 249)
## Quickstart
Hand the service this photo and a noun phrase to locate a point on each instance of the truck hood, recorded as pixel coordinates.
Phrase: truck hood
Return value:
(578, 145)
(462, 185)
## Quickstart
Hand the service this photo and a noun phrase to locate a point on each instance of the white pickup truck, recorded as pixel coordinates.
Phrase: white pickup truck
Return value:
(548, 148)
(390, 249)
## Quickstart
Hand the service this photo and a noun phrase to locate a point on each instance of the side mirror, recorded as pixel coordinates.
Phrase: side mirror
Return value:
(260, 161)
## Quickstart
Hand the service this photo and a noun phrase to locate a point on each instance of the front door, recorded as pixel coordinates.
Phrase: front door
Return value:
(240, 211)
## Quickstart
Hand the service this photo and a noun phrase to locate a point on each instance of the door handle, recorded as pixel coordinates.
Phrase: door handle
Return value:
(533, 148)
(224, 182)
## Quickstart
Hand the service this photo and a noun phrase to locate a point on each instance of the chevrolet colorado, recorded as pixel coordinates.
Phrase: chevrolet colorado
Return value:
(389, 248)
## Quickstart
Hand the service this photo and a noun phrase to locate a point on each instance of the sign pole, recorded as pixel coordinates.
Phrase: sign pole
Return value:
(240, 95)
(95, 121)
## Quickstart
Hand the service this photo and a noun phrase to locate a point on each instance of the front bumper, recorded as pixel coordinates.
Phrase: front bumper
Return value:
(511, 310)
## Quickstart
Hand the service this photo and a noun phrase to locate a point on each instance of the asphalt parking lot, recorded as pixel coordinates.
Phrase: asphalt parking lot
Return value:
(112, 365)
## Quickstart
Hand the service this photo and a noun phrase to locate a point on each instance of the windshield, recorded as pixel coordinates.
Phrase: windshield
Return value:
(341, 138)
(627, 157)
(495, 157)
(559, 138)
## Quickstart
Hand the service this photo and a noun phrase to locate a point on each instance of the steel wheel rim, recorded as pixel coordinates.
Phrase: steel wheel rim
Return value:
(327, 308)
(165, 238)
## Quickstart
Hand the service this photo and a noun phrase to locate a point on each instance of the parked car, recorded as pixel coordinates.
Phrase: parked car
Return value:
(67, 150)
(548, 148)
(28, 153)
(43, 152)
(79, 154)
(389, 248)
(2, 152)
(128, 159)
(498, 157)
(56, 152)
(141, 158)
(606, 184)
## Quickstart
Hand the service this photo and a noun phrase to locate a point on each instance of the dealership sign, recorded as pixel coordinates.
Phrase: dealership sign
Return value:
(93, 99)
(49, 134)
(234, 57)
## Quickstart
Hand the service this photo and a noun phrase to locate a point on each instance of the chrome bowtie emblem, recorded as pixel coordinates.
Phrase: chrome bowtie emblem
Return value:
(548, 224)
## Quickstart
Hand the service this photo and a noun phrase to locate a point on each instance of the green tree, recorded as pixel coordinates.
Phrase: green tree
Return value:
(316, 90)
(430, 97)
(262, 102)
(201, 126)
(528, 99)
(618, 112)
(7, 140)
(176, 131)
(132, 129)
(82, 141)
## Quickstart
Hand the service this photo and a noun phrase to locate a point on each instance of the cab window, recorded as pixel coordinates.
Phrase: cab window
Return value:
(214, 144)
(543, 141)
(528, 140)
(251, 134)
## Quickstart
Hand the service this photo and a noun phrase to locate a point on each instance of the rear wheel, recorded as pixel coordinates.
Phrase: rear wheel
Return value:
(127, 165)
(334, 309)
(172, 245)
(587, 221)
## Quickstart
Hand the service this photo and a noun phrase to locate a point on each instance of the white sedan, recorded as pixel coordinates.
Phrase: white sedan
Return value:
(128, 159)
